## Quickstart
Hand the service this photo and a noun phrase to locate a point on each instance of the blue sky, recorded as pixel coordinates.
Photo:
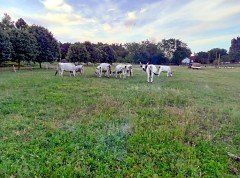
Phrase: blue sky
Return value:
(202, 24)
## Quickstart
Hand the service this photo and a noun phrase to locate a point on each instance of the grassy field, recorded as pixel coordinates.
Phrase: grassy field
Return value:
(86, 126)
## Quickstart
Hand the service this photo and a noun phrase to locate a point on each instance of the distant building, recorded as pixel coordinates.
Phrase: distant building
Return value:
(186, 61)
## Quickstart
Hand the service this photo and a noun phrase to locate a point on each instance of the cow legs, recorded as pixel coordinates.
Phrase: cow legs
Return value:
(151, 79)
(148, 76)
(125, 73)
(159, 72)
(100, 72)
(74, 73)
(61, 73)
(108, 71)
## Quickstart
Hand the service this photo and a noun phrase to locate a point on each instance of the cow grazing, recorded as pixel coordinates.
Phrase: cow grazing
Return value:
(129, 70)
(120, 70)
(80, 69)
(70, 67)
(165, 69)
(103, 68)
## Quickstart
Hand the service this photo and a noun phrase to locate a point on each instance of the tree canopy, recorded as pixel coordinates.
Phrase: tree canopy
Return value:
(24, 45)
(234, 51)
(64, 49)
(7, 22)
(21, 24)
(48, 46)
(216, 53)
(78, 53)
(5, 46)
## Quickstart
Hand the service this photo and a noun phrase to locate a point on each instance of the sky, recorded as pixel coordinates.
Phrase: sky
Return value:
(202, 24)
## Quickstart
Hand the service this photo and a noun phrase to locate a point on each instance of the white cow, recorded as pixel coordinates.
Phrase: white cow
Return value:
(165, 69)
(151, 70)
(70, 67)
(129, 70)
(103, 68)
(120, 70)
(80, 69)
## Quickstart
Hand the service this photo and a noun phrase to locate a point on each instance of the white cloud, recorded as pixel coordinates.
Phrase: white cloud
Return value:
(57, 5)
(199, 23)
(131, 19)
(64, 19)
(131, 15)
(112, 9)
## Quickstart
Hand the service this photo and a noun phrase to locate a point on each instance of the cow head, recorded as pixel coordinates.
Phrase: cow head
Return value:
(144, 66)
(97, 71)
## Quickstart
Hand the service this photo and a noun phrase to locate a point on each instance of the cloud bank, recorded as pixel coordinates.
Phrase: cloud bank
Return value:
(201, 24)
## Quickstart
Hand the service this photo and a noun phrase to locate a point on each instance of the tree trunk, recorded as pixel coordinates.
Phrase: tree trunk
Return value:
(40, 64)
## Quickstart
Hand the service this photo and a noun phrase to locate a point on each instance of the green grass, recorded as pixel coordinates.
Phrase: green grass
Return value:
(86, 126)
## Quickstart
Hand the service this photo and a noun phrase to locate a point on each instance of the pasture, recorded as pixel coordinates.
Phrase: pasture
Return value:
(182, 126)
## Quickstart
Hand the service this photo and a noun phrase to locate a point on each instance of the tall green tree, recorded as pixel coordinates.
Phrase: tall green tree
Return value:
(215, 53)
(234, 51)
(133, 52)
(24, 46)
(144, 52)
(21, 24)
(49, 49)
(120, 50)
(108, 54)
(5, 46)
(77, 52)
(7, 22)
(64, 49)
(169, 46)
(179, 54)
(94, 52)
(202, 57)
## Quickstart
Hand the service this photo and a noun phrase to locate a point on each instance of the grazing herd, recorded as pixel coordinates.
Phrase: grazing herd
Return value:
(121, 70)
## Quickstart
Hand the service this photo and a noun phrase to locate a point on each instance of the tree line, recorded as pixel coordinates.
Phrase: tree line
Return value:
(21, 42)
(33, 43)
